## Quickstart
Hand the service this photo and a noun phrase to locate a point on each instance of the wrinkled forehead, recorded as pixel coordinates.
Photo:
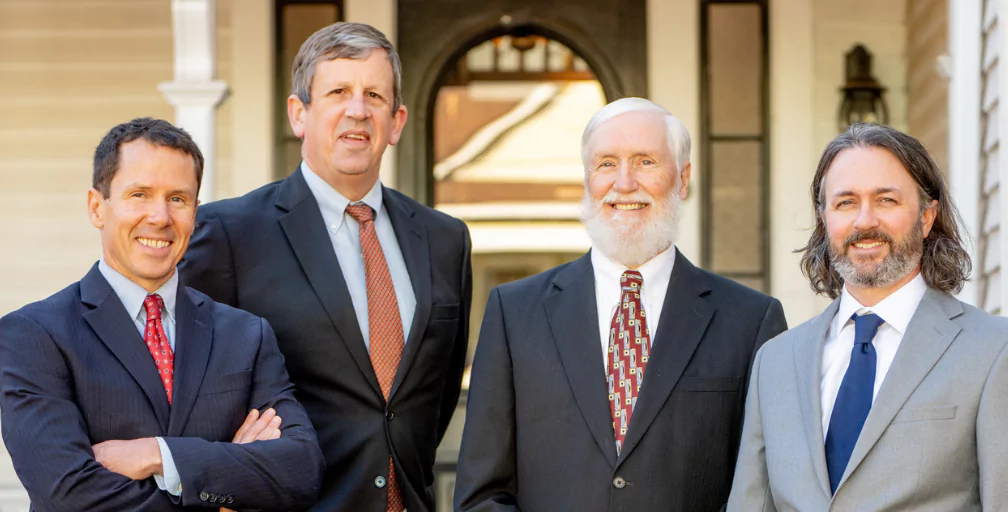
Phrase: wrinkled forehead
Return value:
(628, 134)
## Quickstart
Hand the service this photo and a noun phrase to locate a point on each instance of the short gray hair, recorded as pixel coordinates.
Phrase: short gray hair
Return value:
(678, 137)
(343, 40)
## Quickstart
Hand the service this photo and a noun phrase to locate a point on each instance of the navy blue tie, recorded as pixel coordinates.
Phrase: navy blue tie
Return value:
(854, 399)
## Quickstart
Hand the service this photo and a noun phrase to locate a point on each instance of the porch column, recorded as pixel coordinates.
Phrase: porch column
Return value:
(194, 93)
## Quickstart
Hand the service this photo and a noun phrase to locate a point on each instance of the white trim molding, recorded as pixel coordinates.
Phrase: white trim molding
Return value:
(194, 93)
(964, 127)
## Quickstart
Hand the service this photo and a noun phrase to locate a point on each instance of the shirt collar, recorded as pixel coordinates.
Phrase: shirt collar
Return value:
(897, 309)
(132, 295)
(332, 203)
(655, 270)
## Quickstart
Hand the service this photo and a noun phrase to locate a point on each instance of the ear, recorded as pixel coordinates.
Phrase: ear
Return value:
(684, 177)
(94, 205)
(398, 122)
(928, 217)
(295, 114)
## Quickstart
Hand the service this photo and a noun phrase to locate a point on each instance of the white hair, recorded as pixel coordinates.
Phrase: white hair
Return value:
(676, 134)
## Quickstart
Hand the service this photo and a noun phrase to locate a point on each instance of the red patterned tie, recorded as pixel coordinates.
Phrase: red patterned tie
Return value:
(157, 342)
(629, 345)
(384, 323)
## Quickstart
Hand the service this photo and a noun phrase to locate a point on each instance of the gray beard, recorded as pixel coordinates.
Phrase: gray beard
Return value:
(632, 244)
(902, 259)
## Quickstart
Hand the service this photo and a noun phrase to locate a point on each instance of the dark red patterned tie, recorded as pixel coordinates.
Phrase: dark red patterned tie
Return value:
(629, 345)
(384, 323)
(157, 342)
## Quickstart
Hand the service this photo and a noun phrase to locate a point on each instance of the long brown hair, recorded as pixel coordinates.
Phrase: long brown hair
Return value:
(945, 264)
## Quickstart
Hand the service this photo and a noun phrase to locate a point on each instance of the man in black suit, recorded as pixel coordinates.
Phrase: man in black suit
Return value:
(368, 290)
(125, 390)
(615, 382)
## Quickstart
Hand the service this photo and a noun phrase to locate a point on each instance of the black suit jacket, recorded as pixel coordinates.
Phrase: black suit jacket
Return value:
(538, 433)
(74, 372)
(269, 253)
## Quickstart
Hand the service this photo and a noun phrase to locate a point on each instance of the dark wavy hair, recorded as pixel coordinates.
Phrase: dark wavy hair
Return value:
(945, 264)
(155, 131)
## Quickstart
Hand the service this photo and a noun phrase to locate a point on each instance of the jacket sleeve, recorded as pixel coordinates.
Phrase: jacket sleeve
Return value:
(460, 347)
(486, 479)
(45, 432)
(992, 450)
(750, 490)
(208, 265)
(280, 474)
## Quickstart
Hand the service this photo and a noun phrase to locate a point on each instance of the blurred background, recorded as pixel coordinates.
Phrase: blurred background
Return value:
(498, 93)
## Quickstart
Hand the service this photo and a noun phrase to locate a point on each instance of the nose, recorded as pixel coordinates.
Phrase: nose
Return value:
(866, 219)
(159, 214)
(357, 109)
(625, 182)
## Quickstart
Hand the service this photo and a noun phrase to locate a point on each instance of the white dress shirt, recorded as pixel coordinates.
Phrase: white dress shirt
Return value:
(656, 274)
(896, 310)
(344, 234)
(132, 297)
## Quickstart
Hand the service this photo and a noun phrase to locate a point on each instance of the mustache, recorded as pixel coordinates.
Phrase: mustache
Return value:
(639, 196)
(874, 234)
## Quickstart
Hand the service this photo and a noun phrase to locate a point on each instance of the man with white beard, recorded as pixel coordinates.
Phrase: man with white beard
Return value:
(617, 381)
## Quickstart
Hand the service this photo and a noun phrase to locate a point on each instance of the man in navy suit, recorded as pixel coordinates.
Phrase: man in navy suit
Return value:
(129, 391)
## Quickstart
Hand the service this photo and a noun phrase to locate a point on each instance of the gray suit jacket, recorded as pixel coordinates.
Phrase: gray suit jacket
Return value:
(934, 439)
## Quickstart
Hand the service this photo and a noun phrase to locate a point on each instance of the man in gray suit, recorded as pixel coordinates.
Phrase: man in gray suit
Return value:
(896, 396)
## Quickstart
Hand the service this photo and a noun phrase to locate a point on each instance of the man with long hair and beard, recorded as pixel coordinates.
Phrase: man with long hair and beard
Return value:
(616, 381)
(896, 396)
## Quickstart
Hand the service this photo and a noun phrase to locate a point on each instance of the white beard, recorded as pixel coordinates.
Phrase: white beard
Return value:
(627, 242)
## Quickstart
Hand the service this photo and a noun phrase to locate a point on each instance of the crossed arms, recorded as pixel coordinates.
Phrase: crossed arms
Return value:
(46, 434)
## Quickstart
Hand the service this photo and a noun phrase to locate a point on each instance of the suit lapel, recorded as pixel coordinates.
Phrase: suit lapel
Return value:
(573, 318)
(306, 232)
(412, 238)
(927, 337)
(684, 319)
(193, 335)
(808, 373)
(117, 331)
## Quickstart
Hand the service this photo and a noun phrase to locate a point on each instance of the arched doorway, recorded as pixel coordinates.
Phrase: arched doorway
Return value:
(505, 124)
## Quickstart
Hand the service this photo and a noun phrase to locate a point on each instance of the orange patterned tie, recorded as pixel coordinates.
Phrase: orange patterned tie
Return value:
(157, 342)
(629, 345)
(384, 323)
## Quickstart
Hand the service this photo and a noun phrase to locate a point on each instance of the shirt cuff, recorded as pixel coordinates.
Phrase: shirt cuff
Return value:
(170, 481)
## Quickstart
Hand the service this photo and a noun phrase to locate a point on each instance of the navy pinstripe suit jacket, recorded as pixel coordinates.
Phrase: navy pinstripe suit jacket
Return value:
(74, 372)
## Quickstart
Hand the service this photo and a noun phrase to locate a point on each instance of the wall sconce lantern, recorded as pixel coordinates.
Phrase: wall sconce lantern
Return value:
(862, 93)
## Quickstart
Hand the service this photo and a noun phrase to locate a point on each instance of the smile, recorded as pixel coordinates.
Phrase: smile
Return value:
(867, 245)
(360, 137)
(629, 206)
(155, 244)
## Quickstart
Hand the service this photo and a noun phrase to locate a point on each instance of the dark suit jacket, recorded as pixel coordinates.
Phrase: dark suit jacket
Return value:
(538, 433)
(269, 253)
(74, 371)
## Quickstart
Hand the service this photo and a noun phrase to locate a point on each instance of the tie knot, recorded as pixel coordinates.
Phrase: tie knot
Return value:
(153, 304)
(360, 212)
(631, 278)
(865, 327)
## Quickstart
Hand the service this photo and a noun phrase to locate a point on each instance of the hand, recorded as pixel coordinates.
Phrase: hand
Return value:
(136, 459)
(258, 428)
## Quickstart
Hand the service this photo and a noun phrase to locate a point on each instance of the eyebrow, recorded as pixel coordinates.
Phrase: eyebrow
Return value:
(145, 188)
(878, 191)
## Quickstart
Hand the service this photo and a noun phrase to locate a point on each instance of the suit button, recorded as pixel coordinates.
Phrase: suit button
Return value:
(230, 499)
(213, 498)
(203, 496)
(389, 415)
(379, 481)
(618, 482)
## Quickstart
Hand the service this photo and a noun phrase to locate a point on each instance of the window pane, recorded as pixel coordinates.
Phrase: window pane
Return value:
(734, 67)
(736, 207)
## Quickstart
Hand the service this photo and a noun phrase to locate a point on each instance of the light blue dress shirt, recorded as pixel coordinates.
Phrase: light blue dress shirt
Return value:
(132, 296)
(344, 234)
